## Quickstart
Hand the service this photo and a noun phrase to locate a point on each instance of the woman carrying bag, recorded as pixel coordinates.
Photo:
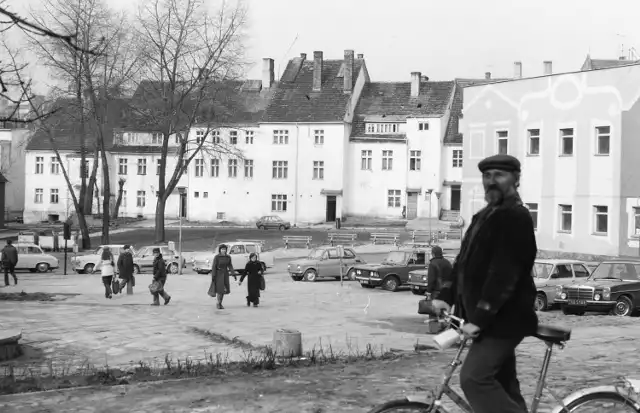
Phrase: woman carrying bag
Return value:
(220, 271)
(255, 283)
(107, 272)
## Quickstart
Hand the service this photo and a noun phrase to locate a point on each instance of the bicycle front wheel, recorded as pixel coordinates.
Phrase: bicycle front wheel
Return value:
(404, 406)
(610, 402)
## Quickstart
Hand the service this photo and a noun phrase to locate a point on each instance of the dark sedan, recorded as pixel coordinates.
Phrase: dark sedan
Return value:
(273, 222)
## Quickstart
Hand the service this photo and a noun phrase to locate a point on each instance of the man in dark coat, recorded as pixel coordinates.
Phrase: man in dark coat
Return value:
(494, 291)
(438, 273)
(9, 261)
(160, 275)
(125, 266)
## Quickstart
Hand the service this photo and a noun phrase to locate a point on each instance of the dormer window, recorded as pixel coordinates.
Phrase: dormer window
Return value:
(423, 126)
(156, 138)
(383, 128)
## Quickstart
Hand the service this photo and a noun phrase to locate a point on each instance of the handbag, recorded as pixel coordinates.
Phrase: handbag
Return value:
(426, 307)
(115, 286)
(155, 287)
(262, 283)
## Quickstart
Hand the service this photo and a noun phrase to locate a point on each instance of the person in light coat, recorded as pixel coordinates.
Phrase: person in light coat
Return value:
(107, 272)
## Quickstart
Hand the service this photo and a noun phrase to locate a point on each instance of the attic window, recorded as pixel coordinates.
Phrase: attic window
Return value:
(383, 128)
(423, 125)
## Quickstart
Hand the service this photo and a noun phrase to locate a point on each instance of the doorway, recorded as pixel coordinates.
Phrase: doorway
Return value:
(412, 205)
(182, 210)
(331, 208)
(455, 198)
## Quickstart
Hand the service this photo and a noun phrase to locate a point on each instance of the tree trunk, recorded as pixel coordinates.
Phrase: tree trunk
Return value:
(160, 207)
(91, 186)
(106, 196)
(84, 231)
(116, 208)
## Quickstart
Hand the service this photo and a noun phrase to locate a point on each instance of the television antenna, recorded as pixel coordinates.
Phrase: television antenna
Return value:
(286, 54)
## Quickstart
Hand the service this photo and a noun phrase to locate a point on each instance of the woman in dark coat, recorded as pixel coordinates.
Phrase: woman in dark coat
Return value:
(125, 267)
(253, 270)
(220, 272)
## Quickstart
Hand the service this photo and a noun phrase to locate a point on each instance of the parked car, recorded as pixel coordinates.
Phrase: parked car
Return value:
(31, 257)
(92, 262)
(393, 271)
(273, 222)
(614, 286)
(548, 274)
(239, 252)
(143, 259)
(324, 262)
(418, 278)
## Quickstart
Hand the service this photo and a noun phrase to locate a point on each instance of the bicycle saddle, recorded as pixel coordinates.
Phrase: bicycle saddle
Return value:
(552, 334)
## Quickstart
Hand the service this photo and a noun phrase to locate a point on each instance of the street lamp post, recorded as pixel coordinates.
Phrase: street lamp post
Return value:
(181, 191)
(430, 231)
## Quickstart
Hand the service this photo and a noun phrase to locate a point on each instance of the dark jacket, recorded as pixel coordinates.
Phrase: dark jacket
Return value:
(125, 265)
(10, 255)
(492, 286)
(438, 273)
(159, 269)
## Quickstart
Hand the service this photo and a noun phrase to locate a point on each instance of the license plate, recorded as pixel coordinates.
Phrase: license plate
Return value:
(364, 281)
(577, 302)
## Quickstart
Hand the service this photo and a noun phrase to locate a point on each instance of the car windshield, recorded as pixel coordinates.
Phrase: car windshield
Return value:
(616, 271)
(395, 257)
(541, 270)
(315, 254)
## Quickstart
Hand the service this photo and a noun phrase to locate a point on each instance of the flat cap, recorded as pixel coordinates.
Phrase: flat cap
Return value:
(502, 162)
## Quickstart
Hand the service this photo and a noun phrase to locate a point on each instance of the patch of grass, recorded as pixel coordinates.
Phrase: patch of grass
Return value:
(29, 379)
(23, 296)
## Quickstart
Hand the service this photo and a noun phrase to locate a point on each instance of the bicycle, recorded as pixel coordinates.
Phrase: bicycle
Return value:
(625, 392)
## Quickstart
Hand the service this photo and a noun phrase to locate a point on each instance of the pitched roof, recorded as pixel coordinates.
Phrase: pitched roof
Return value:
(393, 101)
(65, 126)
(295, 100)
(594, 64)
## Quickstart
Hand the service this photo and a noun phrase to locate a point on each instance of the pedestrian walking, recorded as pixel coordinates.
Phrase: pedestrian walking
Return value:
(494, 291)
(438, 273)
(253, 273)
(125, 267)
(160, 276)
(220, 271)
(9, 261)
(107, 271)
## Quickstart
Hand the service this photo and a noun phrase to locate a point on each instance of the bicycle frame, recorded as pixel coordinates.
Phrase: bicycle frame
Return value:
(445, 389)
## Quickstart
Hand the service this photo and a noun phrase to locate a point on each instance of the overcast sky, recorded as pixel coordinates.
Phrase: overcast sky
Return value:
(443, 39)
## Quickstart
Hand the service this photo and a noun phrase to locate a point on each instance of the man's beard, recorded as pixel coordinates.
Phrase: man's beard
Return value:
(493, 196)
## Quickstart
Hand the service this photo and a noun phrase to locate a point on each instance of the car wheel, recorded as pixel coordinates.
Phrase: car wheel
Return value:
(351, 275)
(568, 311)
(263, 266)
(310, 275)
(262, 227)
(623, 308)
(42, 267)
(88, 269)
(391, 283)
(173, 268)
(540, 304)
(281, 227)
(418, 292)
(136, 269)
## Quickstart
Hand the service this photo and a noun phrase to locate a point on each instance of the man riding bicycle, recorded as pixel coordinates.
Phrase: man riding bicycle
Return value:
(493, 289)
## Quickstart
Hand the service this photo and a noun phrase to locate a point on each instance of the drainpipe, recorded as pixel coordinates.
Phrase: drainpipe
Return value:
(295, 190)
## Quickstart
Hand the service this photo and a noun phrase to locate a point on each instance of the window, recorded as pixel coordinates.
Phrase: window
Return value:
(215, 137)
(393, 198)
(601, 219)
(534, 141)
(177, 139)
(54, 197)
(281, 137)
(580, 271)
(280, 169)
(199, 167)
(383, 128)
(39, 164)
(503, 142)
(562, 271)
(248, 137)
(199, 137)
(423, 125)
(318, 137)
(233, 137)
(636, 221)
(141, 199)
(565, 218)
(215, 167)
(533, 210)
(124, 199)
(457, 158)
(122, 166)
(221, 215)
(142, 166)
(566, 142)
(205, 195)
(196, 194)
(279, 203)
(414, 160)
(387, 160)
(365, 158)
(39, 196)
(233, 168)
(84, 169)
(248, 168)
(131, 138)
(603, 138)
(158, 166)
(318, 169)
(156, 138)
(55, 166)
(237, 249)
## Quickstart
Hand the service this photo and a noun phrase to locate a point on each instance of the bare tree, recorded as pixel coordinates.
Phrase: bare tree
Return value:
(188, 51)
(116, 209)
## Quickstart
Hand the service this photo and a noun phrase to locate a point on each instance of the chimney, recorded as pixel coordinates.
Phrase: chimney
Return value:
(303, 56)
(348, 71)
(487, 75)
(317, 71)
(360, 56)
(415, 83)
(623, 57)
(267, 73)
(517, 70)
(548, 67)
